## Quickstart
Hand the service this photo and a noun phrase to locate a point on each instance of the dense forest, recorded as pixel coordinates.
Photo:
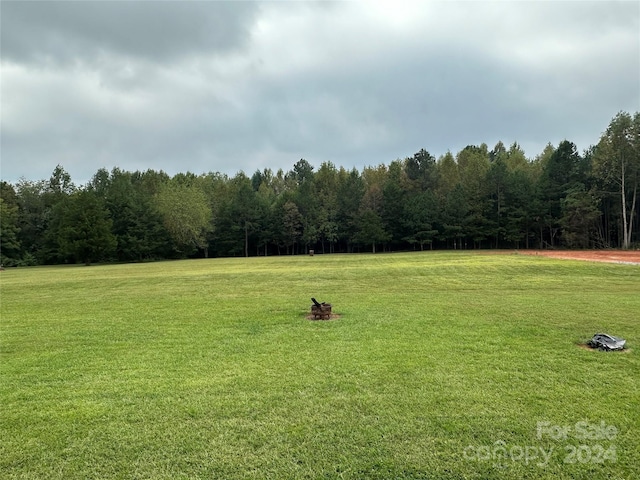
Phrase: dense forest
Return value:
(477, 198)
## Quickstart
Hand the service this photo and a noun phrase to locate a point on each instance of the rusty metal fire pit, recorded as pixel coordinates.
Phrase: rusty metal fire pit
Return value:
(320, 310)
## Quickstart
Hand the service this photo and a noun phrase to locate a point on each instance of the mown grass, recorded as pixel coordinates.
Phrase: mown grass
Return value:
(209, 369)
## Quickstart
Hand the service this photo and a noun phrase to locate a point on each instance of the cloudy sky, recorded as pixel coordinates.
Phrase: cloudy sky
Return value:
(228, 86)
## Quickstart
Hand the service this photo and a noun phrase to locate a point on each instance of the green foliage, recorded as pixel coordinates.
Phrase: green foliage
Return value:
(394, 199)
(60, 182)
(186, 214)
(371, 229)
(421, 170)
(85, 228)
(564, 172)
(579, 219)
(137, 226)
(616, 162)
(291, 223)
(477, 198)
(32, 216)
(246, 210)
(326, 191)
(9, 243)
(519, 208)
(419, 217)
(350, 194)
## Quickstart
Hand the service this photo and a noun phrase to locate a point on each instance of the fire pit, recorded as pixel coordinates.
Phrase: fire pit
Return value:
(320, 310)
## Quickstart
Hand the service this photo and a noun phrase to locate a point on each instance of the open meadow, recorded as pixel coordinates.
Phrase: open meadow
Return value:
(447, 365)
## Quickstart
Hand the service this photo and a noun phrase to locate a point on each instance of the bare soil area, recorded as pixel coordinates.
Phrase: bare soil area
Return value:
(631, 257)
(584, 346)
(333, 316)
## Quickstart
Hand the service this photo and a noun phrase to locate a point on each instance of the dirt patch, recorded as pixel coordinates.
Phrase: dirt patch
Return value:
(584, 346)
(333, 316)
(629, 257)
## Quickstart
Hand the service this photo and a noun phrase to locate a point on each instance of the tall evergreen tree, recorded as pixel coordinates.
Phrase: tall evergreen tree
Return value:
(579, 217)
(420, 217)
(326, 191)
(137, 226)
(371, 229)
(421, 170)
(85, 228)
(245, 210)
(473, 164)
(393, 204)
(56, 196)
(291, 224)
(350, 194)
(564, 171)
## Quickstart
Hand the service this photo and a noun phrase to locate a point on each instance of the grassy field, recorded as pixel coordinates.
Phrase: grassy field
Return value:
(442, 365)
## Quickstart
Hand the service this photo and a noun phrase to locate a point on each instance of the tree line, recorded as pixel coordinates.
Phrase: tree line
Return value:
(477, 198)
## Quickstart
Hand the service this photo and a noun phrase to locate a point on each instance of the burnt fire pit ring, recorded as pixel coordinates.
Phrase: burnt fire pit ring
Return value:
(320, 310)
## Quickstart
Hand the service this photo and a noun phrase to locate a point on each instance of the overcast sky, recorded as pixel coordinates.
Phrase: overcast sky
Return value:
(229, 86)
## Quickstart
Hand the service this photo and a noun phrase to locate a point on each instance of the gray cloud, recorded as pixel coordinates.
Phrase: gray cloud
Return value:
(157, 31)
(214, 86)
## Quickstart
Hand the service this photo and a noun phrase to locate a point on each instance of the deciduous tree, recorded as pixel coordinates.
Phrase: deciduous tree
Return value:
(9, 243)
(186, 214)
(617, 163)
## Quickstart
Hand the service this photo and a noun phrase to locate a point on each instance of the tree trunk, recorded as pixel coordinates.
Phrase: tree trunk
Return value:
(632, 214)
(625, 237)
(246, 240)
(541, 238)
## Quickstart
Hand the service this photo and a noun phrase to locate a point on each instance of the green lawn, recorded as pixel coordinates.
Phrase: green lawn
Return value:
(209, 369)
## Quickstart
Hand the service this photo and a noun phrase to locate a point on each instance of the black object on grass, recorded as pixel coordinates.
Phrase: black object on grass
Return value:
(607, 342)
